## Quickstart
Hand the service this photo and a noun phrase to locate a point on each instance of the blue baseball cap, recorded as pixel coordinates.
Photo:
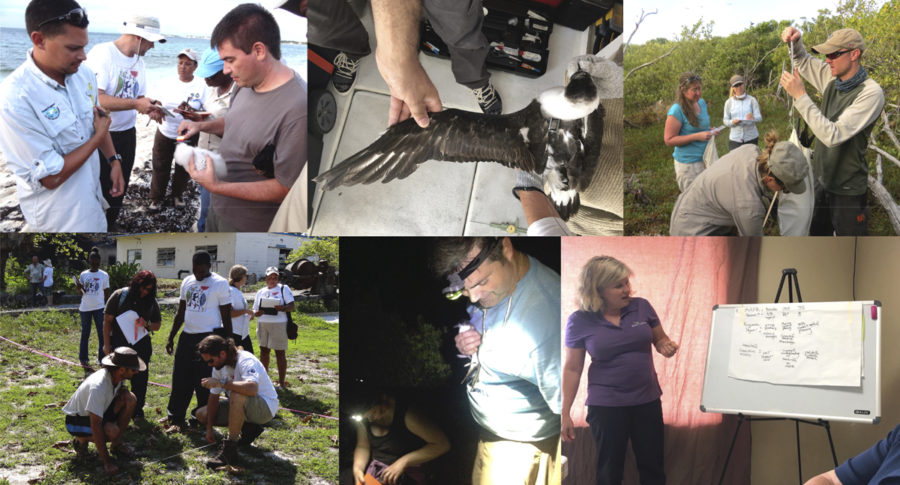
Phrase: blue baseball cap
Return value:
(209, 64)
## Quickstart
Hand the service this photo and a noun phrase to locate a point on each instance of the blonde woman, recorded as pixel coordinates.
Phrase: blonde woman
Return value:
(687, 129)
(741, 114)
(623, 396)
(733, 193)
(241, 314)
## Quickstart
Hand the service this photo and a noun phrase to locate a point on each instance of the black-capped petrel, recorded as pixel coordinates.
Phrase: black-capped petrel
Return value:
(558, 135)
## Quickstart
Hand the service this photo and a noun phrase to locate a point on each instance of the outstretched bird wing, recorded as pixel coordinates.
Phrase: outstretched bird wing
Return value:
(452, 135)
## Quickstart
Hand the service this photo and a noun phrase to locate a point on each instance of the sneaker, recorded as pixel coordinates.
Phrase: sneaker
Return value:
(179, 203)
(345, 68)
(488, 99)
(227, 455)
(154, 205)
(249, 432)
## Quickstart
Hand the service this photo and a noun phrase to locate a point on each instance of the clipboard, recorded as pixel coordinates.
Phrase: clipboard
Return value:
(130, 326)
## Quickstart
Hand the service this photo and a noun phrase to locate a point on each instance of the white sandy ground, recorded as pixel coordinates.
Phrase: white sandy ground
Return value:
(134, 217)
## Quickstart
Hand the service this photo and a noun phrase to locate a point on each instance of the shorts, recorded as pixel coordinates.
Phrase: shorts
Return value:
(81, 425)
(256, 411)
(272, 335)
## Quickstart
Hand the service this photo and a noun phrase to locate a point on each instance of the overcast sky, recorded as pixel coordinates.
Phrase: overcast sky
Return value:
(177, 17)
(730, 16)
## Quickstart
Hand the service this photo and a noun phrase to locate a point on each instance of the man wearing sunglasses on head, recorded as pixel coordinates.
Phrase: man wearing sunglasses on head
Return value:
(51, 125)
(513, 382)
(851, 102)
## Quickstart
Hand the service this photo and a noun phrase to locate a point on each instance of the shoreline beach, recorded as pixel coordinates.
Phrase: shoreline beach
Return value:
(135, 216)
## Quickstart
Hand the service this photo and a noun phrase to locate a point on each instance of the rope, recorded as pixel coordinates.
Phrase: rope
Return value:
(44, 354)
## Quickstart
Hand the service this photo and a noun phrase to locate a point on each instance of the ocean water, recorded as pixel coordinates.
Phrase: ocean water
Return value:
(160, 61)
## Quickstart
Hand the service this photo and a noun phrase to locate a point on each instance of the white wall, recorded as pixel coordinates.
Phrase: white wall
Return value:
(185, 245)
(257, 251)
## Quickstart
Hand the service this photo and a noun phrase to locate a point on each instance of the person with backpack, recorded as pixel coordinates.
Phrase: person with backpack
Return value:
(131, 314)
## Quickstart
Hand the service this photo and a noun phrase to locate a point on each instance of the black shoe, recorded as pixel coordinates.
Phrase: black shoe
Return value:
(488, 99)
(227, 455)
(249, 432)
(345, 68)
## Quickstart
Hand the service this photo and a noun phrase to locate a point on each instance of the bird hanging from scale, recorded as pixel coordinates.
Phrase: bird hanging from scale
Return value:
(558, 135)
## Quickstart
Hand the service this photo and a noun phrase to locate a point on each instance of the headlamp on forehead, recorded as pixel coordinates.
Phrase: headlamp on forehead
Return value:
(457, 280)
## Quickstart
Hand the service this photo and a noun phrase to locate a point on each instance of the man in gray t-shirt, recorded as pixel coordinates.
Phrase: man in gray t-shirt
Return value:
(266, 124)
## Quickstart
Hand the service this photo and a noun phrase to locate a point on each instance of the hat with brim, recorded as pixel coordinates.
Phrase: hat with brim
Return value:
(145, 27)
(48, 263)
(209, 64)
(271, 270)
(124, 357)
(843, 39)
(736, 79)
(190, 54)
(790, 166)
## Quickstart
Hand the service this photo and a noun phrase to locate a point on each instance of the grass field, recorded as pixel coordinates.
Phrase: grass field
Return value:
(295, 448)
(650, 189)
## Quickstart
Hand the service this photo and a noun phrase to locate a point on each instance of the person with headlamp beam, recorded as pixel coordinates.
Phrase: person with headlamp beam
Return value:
(513, 383)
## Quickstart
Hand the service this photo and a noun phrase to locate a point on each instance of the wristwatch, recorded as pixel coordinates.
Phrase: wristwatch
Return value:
(113, 158)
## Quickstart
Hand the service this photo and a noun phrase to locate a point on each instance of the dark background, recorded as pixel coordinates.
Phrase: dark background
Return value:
(397, 334)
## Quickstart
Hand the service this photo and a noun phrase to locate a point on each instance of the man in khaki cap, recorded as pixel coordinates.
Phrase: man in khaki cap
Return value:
(733, 192)
(102, 407)
(851, 102)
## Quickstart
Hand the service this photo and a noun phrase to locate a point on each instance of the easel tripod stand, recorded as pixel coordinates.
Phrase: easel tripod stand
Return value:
(789, 274)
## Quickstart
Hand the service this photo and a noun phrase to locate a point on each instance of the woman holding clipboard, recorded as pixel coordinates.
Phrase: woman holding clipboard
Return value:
(130, 315)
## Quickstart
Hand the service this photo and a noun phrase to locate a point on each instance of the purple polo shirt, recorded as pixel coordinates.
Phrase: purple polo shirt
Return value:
(621, 371)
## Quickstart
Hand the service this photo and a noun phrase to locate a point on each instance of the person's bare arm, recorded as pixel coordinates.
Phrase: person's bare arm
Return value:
(664, 345)
(436, 444)
(269, 190)
(827, 478)
(397, 31)
(571, 377)
(107, 332)
(191, 128)
(360, 454)
(673, 139)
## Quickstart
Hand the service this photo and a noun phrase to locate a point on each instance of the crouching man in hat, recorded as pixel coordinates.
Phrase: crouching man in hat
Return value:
(251, 399)
(101, 407)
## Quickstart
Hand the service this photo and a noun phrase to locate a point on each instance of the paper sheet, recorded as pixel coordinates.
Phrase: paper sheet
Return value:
(130, 327)
(269, 302)
(786, 344)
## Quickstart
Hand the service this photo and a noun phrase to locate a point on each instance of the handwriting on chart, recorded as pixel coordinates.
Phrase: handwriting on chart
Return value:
(794, 345)
(788, 329)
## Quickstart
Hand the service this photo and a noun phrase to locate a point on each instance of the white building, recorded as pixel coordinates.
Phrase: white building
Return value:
(169, 255)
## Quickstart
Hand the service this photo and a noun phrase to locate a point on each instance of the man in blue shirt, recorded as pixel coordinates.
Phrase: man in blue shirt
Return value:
(880, 464)
(514, 379)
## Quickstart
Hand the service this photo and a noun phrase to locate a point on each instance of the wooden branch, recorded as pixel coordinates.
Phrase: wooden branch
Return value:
(884, 197)
(887, 129)
(752, 69)
(636, 25)
(886, 154)
(648, 63)
(879, 173)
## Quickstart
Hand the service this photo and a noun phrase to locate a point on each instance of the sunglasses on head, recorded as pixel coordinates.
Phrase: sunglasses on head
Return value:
(76, 16)
(835, 55)
(694, 79)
